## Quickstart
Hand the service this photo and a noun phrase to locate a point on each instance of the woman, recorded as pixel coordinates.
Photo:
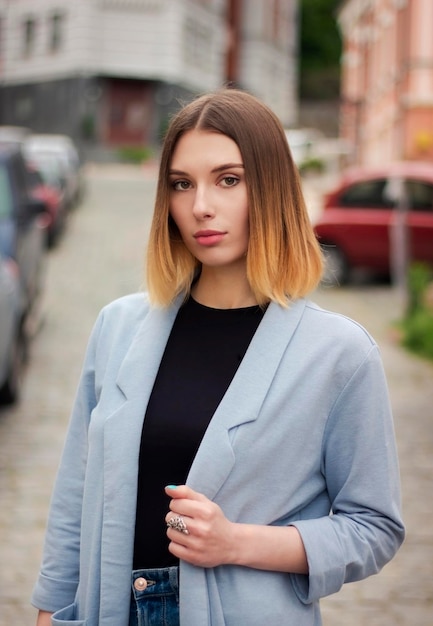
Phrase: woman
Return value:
(265, 468)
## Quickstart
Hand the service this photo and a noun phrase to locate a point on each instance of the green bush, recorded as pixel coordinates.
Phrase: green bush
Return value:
(135, 154)
(418, 333)
(313, 165)
(417, 325)
(419, 277)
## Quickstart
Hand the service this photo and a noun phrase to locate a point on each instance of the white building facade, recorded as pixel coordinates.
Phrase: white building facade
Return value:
(112, 71)
(268, 54)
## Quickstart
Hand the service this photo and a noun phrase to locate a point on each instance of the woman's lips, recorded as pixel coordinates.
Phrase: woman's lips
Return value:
(209, 237)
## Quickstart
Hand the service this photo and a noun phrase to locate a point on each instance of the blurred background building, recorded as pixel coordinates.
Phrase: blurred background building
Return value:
(387, 79)
(110, 72)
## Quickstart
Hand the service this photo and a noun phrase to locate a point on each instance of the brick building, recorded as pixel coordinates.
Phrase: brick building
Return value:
(387, 79)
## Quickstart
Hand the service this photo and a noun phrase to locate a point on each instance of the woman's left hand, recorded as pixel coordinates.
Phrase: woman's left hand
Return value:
(210, 538)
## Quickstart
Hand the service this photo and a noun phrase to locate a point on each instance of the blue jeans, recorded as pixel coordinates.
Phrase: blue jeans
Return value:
(155, 597)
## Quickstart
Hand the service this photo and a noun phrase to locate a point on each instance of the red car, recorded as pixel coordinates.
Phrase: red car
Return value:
(372, 214)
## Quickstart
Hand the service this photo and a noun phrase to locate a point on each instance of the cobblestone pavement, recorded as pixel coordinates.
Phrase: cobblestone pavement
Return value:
(99, 259)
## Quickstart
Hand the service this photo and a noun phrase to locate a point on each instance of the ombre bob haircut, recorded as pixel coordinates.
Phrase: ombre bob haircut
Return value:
(284, 259)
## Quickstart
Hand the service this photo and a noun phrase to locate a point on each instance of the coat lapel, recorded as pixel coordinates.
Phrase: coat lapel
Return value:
(134, 382)
(215, 457)
(140, 365)
(122, 436)
(244, 397)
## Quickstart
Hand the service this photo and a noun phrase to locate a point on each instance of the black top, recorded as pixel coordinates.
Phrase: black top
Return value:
(201, 357)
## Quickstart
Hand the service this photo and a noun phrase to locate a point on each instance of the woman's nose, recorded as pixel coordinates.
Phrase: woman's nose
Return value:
(202, 207)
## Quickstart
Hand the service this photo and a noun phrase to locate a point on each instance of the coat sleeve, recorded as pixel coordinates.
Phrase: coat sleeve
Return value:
(58, 579)
(359, 462)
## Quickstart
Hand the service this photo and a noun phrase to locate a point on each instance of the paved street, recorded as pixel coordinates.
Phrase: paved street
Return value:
(101, 258)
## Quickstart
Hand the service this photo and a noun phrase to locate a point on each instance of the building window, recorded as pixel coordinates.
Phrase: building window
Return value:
(56, 34)
(29, 36)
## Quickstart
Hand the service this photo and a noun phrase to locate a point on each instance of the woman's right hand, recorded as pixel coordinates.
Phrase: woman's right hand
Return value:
(44, 618)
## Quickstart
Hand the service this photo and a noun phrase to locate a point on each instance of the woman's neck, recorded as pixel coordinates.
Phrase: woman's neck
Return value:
(222, 290)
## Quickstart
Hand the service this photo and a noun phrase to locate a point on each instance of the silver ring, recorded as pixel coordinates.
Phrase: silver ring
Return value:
(178, 523)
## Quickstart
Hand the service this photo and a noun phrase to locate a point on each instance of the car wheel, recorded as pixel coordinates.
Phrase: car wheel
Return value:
(10, 391)
(336, 270)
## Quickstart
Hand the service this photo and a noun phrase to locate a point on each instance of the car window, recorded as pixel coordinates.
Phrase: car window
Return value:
(35, 179)
(366, 194)
(5, 195)
(420, 195)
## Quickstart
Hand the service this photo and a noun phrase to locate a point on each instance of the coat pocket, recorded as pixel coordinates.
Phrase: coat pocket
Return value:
(66, 616)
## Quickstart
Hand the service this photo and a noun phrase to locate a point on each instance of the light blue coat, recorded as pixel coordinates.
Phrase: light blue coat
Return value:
(305, 427)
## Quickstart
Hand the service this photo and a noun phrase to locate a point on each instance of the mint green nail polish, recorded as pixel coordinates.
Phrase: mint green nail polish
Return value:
(171, 486)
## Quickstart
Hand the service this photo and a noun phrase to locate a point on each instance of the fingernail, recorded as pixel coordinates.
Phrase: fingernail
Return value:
(171, 486)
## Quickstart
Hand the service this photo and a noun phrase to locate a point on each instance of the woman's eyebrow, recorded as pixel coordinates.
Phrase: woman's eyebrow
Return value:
(227, 166)
(176, 173)
(215, 170)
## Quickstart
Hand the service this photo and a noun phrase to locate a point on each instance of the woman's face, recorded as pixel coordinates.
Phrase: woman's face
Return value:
(208, 198)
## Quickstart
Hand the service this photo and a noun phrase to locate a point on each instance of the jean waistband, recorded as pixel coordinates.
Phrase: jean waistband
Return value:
(155, 581)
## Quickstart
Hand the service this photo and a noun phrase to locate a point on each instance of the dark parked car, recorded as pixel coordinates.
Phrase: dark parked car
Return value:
(40, 147)
(22, 230)
(358, 222)
(12, 338)
(49, 190)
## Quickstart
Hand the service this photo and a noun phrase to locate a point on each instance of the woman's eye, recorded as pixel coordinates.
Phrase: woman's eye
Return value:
(230, 181)
(180, 185)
